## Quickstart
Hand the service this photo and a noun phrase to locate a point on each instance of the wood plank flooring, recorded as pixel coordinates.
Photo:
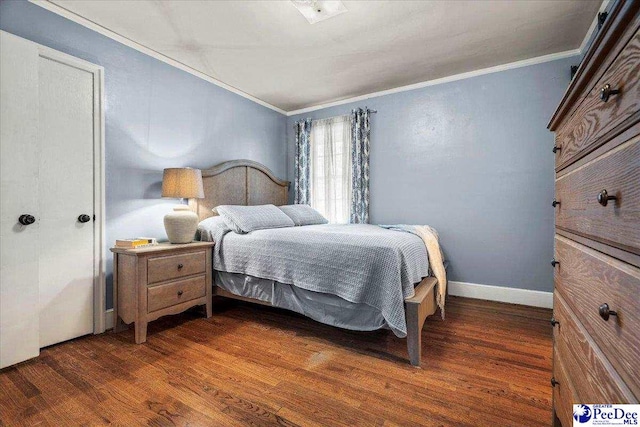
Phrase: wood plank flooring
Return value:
(486, 364)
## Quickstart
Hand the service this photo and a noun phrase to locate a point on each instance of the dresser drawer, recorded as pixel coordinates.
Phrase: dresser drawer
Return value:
(616, 224)
(564, 395)
(594, 117)
(594, 379)
(586, 279)
(173, 293)
(163, 268)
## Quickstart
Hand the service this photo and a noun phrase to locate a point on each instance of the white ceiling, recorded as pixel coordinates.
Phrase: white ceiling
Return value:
(268, 50)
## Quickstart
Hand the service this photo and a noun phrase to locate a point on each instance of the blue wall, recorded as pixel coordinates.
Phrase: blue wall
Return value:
(157, 116)
(473, 159)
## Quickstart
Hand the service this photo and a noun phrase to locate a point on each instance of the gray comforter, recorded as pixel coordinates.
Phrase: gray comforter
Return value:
(358, 262)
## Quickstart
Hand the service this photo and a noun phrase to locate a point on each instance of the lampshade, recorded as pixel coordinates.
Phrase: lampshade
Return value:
(182, 183)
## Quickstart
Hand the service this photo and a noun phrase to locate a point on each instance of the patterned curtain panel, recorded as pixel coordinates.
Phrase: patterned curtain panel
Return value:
(360, 131)
(302, 184)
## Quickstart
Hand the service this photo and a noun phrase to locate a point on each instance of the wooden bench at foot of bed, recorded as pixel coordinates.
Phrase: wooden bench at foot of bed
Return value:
(416, 310)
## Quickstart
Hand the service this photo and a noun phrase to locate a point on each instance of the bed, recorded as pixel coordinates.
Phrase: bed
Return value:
(244, 182)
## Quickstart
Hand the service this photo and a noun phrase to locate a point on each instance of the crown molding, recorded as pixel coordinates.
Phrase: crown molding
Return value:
(59, 10)
(448, 79)
(46, 4)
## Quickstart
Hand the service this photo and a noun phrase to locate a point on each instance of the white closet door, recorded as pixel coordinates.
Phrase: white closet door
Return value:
(66, 270)
(18, 195)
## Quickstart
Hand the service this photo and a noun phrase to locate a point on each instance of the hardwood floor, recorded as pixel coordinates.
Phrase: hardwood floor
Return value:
(487, 364)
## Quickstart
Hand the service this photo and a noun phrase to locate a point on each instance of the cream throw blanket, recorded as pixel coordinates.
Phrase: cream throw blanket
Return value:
(430, 238)
(436, 261)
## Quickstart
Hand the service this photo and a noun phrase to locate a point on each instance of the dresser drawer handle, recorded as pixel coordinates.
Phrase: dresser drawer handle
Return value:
(180, 293)
(604, 197)
(555, 203)
(604, 311)
(556, 149)
(554, 262)
(554, 382)
(606, 92)
(554, 322)
(180, 266)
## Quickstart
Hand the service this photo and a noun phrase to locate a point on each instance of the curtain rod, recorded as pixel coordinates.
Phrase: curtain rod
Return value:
(368, 110)
(332, 117)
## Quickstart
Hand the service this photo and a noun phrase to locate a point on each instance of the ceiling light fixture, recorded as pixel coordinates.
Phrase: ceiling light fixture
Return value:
(319, 10)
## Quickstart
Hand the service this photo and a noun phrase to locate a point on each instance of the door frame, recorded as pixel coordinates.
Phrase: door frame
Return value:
(99, 253)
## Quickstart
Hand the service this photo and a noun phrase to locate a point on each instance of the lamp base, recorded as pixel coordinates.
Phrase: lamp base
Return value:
(181, 224)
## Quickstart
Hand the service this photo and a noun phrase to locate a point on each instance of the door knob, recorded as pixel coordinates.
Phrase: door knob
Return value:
(555, 203)
(554, 262)
(26, 219)
(556, 149)
(84, 218)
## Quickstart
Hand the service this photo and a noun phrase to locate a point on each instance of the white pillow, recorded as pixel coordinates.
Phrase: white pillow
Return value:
(245, 219)
(303, 214)
(207, 228)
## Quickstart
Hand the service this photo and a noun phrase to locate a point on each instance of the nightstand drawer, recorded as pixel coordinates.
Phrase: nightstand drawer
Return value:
(174, 293)
(160, 269)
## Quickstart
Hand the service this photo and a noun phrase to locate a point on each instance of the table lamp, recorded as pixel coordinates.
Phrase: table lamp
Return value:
(185, 183)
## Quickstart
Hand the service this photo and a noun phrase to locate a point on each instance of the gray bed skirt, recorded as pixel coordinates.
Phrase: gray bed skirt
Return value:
(325, 308)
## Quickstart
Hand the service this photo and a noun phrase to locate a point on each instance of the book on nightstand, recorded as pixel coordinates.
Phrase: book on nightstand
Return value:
(136, 242)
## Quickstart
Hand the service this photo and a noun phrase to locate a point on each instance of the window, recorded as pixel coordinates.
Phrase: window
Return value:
(331, 168)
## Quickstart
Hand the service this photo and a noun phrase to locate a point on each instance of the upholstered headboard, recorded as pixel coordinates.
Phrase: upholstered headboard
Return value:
(239, 182)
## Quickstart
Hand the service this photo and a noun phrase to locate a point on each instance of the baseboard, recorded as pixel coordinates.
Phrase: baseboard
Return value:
(463, 289)
(108, 319)
(501, 294)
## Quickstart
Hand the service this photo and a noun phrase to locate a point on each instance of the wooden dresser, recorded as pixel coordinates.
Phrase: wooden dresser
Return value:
(596, 320)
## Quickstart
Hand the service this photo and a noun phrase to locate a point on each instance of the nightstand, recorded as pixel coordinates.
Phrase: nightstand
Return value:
(158, 280)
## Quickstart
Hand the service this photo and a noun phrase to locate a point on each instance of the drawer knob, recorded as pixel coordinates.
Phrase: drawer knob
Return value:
(554, 382)
(556, 149)
(554, 262)
(604, 311)
(555, 203)
(26, 219)
(606, 92)
(180, 266)
(604, 197)
(180, 293)
(554, 322)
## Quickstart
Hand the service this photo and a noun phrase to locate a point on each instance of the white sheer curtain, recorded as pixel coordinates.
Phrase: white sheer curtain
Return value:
(331, 168)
